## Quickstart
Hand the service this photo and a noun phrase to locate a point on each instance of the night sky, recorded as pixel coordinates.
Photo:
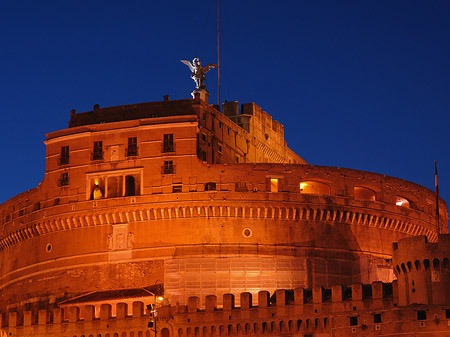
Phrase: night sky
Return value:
(357, 84)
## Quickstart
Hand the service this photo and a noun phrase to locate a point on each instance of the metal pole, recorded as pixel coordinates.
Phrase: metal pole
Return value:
(218, 58)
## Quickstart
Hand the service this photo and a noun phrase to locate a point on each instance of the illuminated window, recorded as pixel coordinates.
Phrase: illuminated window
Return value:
(132, 147)
(314, 187)
(97, 154)
(273, 185)
(98, 189)
(363, 193)
(113, 184)
(168, 143)
(64, 158)
(400, 201)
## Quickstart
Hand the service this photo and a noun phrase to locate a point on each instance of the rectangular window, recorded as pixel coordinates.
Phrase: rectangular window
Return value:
(353, 321)
(64, 158)
(168, 167)
(176, 188)
(447, 313)
(421, 315)
(64, 181)
(132, 147)
(377, 318)
(168, 143)
(273, 185)
(97, 154)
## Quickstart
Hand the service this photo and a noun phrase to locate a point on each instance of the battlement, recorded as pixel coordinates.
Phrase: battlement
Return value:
(340, 310)
(423, 269)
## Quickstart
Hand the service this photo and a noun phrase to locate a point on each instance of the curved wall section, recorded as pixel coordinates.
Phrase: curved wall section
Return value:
(180, 193)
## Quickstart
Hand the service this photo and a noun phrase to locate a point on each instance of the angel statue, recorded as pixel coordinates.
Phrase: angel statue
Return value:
(198, 72)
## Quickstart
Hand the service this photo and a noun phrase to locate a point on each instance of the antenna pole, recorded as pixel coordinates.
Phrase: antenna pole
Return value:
(436, 185)
(218, 58)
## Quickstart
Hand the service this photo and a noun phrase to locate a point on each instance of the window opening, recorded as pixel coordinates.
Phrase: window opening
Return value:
(168, 167)
(210, 186)
(115, 186)
(377, 318)
(353, 321)
(273, 185)
(132, 147)
(168, 143)
(98, 189)
(64, 181)
(363, 193)
(421, 315)
(64, 159)
(176, 188)
(400, 201)
(314, 187)
(98, 151)
(130, 186)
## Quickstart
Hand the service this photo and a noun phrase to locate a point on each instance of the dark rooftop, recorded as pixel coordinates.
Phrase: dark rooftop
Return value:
(108, 295)
(133, 111)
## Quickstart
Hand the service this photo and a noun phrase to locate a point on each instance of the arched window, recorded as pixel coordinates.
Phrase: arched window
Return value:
(445, 263)
(314, 187)
(400, 201)
(417, 264)
(364, 193)
(436, 264)
(165, 332)
(130, 186)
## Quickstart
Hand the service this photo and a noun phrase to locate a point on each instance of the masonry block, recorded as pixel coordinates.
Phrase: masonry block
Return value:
(263, 299)
(357, 292)
(43, 317)
(121, 310)
(211, 303)
(377, 289)
(228, 301)
(336, 293)
(138, 309)
(246, 300)
(317, 295)
(105, 312)
(58, 315)
(27, 318)
(193, 304)
(73, 314)
(89, 313)
(298, 296)
(13, 317)
(281, 297)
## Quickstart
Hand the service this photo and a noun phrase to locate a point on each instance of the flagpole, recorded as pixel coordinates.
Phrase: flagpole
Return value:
(436, 185)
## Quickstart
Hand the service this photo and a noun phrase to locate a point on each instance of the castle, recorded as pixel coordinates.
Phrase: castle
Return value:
(202, 212)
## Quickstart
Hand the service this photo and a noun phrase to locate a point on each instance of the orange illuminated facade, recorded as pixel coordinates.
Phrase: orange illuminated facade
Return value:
(202, 202)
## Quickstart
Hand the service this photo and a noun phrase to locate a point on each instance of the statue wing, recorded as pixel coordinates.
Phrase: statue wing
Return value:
(210, 66)
(189, 64)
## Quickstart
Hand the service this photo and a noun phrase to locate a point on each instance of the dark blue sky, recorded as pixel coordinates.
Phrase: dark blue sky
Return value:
(358, 84)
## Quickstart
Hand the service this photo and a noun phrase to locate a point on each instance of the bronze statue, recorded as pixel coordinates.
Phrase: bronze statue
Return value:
(198, 72)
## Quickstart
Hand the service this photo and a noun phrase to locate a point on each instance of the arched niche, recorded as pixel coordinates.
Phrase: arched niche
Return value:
(402, 202)
(314, 187)
(364, 193)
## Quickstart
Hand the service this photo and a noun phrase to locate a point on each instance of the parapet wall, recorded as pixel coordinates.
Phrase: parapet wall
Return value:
(419, 264)
(340, 311)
